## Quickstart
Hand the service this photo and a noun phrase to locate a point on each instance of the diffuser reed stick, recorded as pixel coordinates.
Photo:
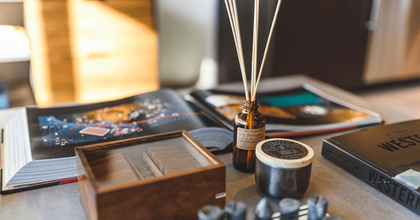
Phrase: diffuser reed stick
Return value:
(273, 24)
(254, 47)
(234, 23)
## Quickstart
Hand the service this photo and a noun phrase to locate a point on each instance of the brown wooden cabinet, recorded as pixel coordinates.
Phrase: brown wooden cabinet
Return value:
(90, 51)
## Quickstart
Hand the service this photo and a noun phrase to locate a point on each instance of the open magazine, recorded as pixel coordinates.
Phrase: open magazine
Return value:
(38, 143)
(301, 111)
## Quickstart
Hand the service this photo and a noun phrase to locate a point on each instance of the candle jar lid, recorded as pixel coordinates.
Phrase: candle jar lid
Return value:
(284, 153)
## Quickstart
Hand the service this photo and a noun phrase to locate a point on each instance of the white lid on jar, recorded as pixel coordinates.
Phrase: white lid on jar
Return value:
(284, 153)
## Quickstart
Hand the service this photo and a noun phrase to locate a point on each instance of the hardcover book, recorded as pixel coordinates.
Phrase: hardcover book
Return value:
(385, 157)
(38, 143)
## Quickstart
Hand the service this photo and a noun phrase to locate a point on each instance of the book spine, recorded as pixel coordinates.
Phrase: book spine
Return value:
(9, 190)
(376, 178)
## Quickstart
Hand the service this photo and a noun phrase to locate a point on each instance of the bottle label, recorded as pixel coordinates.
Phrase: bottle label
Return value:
(247, 139)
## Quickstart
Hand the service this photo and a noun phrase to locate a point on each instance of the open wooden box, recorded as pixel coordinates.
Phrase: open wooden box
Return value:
(164, 176)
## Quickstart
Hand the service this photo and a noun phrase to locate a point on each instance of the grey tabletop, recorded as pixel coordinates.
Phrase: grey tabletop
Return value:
(349, 197)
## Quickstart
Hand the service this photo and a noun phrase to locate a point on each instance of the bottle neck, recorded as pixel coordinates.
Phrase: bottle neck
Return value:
(250, 106)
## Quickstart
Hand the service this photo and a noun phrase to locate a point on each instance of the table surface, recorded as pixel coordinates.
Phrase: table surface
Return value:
(349, 197)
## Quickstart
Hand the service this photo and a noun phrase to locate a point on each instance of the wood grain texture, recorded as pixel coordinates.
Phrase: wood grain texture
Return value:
(174, 196)
(89, 51)
(86, 187)
(112, 170)
(178, 197)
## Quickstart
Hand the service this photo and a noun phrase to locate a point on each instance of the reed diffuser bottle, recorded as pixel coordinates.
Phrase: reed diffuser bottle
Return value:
(249, 126)
(248, 131)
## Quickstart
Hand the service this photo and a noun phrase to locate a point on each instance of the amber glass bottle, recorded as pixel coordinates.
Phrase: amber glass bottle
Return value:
(249, 129)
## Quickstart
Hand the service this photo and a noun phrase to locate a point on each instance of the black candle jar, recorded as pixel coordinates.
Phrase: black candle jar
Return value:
(283, 167)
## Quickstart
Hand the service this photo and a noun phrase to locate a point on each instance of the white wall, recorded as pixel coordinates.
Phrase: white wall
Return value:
(187, 36)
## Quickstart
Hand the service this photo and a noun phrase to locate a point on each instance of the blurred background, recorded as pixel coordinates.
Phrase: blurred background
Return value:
(84, 51)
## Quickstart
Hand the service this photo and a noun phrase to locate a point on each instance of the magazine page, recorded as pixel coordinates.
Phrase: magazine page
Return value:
(291, 110)
(54, 132)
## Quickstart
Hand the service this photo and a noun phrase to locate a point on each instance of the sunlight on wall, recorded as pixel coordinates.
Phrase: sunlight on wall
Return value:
(42, 87)
(115, 55)
(90, 51)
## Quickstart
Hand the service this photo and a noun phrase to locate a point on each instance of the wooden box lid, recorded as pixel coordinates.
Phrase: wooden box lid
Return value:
(164, 176)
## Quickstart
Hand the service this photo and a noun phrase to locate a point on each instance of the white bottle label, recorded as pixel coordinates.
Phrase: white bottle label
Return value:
(247, 139)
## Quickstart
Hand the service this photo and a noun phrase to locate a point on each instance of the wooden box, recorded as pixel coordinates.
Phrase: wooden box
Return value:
(164, 176)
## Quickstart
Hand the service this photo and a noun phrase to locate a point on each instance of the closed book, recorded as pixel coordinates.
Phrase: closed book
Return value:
(385, 157)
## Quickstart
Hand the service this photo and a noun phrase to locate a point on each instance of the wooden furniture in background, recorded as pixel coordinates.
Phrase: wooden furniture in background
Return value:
(89, 51)
(394, 52)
